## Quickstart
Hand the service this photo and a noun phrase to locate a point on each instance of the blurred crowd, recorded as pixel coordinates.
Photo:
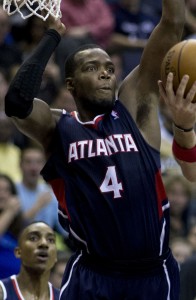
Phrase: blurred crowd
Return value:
(122, 28)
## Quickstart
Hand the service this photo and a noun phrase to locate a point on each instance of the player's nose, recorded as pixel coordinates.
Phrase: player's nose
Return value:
(104, 74)
(43, 242)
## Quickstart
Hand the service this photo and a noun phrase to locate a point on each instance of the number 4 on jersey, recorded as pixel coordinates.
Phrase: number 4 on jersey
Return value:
(110, 183)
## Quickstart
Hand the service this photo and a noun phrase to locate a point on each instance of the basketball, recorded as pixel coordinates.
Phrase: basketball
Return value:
(180, 60)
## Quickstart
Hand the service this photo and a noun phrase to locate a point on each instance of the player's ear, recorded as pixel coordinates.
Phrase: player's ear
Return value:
(69, 84)
(17, 252)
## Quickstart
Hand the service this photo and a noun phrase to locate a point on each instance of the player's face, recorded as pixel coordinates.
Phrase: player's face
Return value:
(37, 248)
(94, 81)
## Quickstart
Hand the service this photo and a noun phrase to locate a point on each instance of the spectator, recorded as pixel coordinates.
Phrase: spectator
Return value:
(37, 252)
(181, 249)
(11, 223)
(37, 199)
(179, 194)
(9, 152)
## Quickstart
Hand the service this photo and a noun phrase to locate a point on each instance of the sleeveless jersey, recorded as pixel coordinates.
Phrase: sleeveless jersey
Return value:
(11, 290)
(108, 184)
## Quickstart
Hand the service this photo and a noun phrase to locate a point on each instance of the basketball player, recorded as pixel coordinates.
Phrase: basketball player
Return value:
(104, 165)
(183, 112)
(37, 251)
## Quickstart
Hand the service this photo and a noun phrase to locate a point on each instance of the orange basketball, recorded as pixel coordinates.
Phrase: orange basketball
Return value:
(180, 60)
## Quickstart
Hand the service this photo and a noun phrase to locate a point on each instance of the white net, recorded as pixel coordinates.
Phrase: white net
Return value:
(27, 8)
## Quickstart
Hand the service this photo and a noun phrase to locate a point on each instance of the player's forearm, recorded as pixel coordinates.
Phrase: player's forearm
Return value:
(25, 86)
(184, 139)
(174, 11)
(184, 150)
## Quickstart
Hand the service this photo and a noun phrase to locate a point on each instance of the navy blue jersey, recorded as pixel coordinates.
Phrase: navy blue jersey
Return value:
(11, 290)
(108, 183)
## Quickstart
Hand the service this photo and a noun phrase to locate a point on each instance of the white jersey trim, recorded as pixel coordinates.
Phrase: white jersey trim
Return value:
(78, 238)
(89, 122)
(13, 277)
(4, 290)
(70, 275)
(168, 280)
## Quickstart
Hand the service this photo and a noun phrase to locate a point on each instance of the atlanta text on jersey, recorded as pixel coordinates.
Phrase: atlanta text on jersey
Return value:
(108, 146)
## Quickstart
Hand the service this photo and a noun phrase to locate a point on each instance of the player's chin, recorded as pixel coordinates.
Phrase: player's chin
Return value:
(106, 104)
(101, 106)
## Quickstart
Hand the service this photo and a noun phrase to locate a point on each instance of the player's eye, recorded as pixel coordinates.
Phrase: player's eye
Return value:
(51, 240)
(111, 70)
(91, 68)
(33, 238)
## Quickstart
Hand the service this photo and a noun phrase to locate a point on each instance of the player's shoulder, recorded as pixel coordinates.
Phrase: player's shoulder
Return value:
(57, 113)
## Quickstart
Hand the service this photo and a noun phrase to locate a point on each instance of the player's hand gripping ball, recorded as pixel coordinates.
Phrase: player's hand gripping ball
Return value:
(180, 60)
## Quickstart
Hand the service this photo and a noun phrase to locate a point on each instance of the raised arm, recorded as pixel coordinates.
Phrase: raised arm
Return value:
(139, 91)
(183, 112)
(32, 116)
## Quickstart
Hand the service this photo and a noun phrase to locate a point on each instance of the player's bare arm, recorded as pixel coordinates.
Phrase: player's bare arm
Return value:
(31, 115)
(183, 112)
(143, 80)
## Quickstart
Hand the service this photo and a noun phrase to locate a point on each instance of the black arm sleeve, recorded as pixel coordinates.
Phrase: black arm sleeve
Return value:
(26, 84)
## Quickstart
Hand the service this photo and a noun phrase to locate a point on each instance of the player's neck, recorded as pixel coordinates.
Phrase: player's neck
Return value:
(33, 286)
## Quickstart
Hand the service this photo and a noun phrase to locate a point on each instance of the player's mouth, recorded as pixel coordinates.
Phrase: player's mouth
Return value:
(105, 87)
(42, 256)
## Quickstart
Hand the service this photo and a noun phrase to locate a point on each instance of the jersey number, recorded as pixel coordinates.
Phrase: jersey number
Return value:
(110, 183)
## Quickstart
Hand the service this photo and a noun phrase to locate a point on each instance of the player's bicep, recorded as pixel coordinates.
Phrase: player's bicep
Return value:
(39, 125)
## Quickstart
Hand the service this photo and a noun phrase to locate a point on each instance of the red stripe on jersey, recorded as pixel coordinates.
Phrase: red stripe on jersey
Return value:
(160, 190)
(16, 288)
(58, 187)
(52, 294)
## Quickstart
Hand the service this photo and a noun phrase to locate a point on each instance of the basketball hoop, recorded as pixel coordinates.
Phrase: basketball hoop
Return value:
(28, 8)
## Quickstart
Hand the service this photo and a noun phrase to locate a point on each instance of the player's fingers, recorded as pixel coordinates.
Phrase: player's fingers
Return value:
(169, 87)
(191, 94)
(162, 91)
(181, 88)
(161, 88)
